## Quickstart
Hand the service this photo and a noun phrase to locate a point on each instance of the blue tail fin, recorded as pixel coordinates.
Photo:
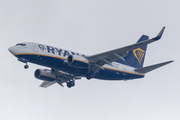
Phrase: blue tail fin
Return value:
(136, 57)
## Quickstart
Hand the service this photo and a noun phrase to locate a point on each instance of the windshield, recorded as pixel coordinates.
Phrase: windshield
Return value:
(20, 44)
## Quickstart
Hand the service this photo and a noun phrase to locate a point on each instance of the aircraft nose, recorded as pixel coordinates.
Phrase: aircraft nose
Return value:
(12, 50)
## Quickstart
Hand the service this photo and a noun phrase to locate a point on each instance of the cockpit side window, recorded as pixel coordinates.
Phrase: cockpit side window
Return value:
(20, 44)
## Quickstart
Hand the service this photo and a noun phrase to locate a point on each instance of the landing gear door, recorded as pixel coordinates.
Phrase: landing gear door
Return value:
(35, 47)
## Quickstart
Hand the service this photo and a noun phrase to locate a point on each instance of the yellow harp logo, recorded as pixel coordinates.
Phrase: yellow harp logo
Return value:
(139, 54)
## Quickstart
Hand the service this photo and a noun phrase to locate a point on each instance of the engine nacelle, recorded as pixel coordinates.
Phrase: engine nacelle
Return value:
(44, 74)
(77, 61)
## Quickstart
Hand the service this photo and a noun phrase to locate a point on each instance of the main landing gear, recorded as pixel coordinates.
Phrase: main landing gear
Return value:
(70, 84)
(90, 75)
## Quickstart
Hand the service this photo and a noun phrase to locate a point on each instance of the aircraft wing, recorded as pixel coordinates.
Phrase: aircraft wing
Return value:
(98, 60)
(46, 84)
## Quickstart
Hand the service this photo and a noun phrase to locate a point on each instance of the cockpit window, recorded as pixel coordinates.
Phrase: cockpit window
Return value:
(20, 44)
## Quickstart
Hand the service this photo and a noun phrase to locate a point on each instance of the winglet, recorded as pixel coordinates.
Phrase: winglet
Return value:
(159, 35)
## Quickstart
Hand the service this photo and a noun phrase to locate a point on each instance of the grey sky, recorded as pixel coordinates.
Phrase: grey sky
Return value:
(90, 27)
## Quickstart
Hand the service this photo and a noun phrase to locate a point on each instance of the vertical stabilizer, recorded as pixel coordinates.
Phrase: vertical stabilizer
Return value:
(136, 57)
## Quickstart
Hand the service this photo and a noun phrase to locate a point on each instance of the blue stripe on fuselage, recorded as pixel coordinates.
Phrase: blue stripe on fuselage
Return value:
(109, 74)
(58, 63)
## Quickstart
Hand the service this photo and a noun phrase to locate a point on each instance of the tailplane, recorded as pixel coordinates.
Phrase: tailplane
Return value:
(152, 67)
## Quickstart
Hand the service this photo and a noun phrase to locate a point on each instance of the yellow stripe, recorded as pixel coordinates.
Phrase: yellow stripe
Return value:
(48, 56)
(40, 54)
(81, 61)
(48, 76)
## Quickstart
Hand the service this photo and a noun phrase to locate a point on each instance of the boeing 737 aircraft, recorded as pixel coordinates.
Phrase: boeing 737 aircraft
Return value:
(66, 66)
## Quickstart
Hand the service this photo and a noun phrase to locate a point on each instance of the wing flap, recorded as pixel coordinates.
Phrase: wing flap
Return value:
(46, 84)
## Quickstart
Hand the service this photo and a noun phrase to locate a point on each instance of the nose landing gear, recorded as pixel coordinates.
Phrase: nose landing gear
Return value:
(24, 61)
(26, 66)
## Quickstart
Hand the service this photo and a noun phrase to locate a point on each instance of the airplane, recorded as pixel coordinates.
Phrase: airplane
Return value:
(66, 66)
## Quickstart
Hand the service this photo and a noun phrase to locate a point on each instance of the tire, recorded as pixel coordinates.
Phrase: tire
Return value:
(26, 66)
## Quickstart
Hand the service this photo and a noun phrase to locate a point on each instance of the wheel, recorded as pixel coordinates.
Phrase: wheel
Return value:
(88, 77)
(26, 66)
(70, 84)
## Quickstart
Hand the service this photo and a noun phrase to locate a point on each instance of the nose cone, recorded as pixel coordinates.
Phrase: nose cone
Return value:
(12, 50)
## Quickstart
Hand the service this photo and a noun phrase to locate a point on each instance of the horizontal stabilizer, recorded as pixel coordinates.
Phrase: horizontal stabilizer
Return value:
(152, 67)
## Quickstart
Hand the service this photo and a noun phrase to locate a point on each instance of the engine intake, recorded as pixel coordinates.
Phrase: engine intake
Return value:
(44, 74)
(77, 61)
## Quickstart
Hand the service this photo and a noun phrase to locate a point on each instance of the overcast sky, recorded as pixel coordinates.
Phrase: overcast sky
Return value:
(90, 27)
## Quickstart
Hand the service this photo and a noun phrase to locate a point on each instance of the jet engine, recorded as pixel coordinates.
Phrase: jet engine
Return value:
(77, 61)
(44, 74)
